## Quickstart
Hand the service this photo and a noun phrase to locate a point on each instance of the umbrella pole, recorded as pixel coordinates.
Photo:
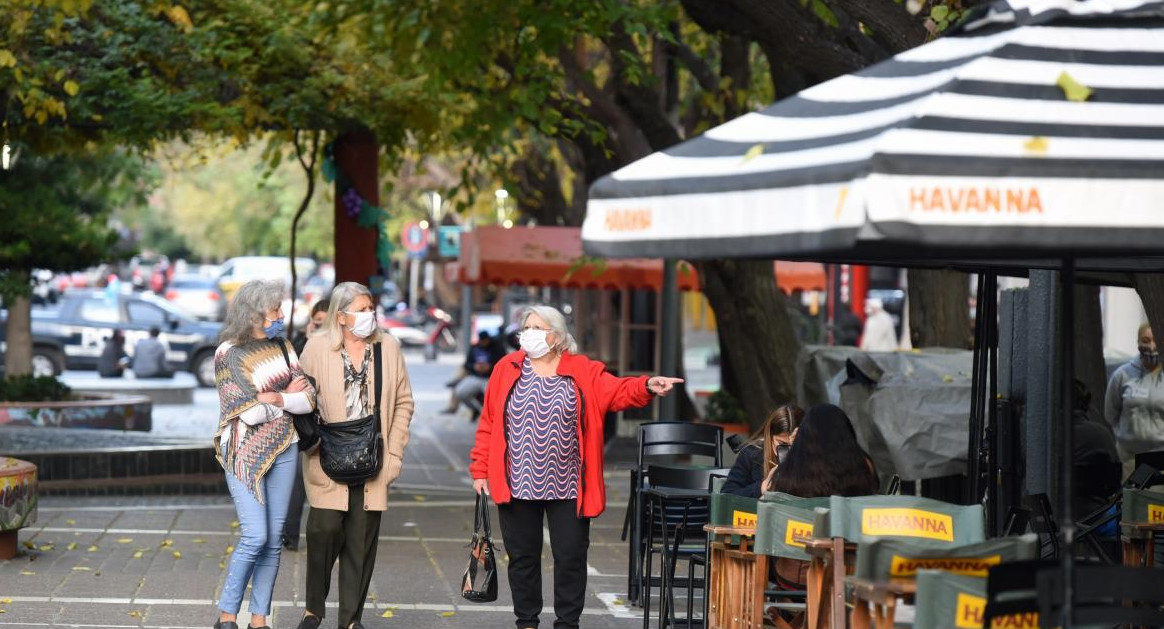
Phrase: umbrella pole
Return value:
(669, 337)
(974, 473)
(1066, 487)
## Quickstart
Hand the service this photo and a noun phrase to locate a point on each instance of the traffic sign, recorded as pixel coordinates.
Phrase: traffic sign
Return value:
(415, 239)
(449, 240)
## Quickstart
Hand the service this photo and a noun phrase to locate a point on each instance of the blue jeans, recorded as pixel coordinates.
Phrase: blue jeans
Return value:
(256, 555)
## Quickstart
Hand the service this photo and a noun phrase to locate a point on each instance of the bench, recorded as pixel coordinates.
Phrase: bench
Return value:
(176, 390)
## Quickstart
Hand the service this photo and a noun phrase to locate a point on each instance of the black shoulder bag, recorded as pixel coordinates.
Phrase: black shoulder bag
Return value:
(305, 423)
(480, 581)
(352, 451)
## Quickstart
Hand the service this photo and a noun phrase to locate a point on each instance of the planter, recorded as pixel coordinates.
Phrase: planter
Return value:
(94, 410)
(18, 497)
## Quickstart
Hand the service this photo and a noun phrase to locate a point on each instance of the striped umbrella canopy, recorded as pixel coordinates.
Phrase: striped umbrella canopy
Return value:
(1033, 130)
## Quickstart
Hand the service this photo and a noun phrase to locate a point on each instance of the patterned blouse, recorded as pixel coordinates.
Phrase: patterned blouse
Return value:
(355, 384)
(541, 419)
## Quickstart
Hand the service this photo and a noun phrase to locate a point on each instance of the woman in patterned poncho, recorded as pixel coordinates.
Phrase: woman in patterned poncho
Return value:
(255, 442)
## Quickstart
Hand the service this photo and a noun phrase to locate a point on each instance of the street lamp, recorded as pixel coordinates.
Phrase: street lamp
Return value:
(8, 156)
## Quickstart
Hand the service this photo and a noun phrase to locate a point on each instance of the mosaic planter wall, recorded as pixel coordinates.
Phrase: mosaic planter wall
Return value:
(17, 494)
(92, 411)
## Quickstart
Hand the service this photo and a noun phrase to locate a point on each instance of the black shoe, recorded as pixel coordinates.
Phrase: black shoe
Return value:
(356, 625)
(309, 622)
(218, 624)
(291, 544)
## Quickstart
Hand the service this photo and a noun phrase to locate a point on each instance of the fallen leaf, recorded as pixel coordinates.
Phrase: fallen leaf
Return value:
(198, 540)
(166, 543)
(27, 573)
(387, 614)
(125, 540)
(46, 547)
(3, 611)
(137, 555)
(5, 601)
(93, 548)
(72, 546)
(1075, 91)
(234, 525)
(177, 554)
(1037, 145)
(229, 549)
(30, 545)
(81, 568)
(70, 522)
(135, 614)
(754, 152)
(222, 565)
(419, 498)
(448, 614)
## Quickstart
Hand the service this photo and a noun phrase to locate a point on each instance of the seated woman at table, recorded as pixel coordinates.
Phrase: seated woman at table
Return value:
(759, 458)
(825, 460)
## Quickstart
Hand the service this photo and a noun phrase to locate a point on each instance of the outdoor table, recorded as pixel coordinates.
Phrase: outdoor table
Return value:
(663, 497)
(882, 596)
(1139, 542)
(736, 579)
(825, 580)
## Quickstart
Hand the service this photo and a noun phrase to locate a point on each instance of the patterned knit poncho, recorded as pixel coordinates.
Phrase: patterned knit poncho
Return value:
(242, 372)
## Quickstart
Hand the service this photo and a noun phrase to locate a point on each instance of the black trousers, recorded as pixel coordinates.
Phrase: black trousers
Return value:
(521, 532)
(350, 536)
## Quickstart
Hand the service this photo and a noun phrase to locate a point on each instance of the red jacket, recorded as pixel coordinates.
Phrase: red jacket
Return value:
(598, 391)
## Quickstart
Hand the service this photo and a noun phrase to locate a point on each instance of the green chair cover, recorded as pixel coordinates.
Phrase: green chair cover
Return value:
(733, 510)
(1142, 505)
(908, 517)
(884, 558)
(780, 521)
(949, 601)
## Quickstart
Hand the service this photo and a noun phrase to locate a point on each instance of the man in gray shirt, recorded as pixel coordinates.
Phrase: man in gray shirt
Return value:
(149, 357)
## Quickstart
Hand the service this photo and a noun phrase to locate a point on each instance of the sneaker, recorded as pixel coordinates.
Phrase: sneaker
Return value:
(219, 624)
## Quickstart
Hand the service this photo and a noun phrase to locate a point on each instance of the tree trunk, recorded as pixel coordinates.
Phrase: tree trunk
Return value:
(1150, 287)
(939, 311)
(755, 334)
(309, 170)
(18, 356)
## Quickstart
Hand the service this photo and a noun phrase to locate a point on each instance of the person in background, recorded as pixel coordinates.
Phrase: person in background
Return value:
(298, 493)
(1094, 455)
(539, 454)
(113, 359)
(879, 334)
(1134, 402)
(149, 357)
(344, 521)
(760, 457)
(256, 441)
(478, 366)
(318, 316)
(846, 326)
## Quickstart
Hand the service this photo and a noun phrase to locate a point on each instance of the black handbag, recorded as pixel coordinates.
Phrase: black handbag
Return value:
(305, 423)
(352, 451)
(480, 581)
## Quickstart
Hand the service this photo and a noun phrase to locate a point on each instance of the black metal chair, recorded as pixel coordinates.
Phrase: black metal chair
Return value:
(678, 508)
(662, 442)
(1103, 595)
(1012, 589)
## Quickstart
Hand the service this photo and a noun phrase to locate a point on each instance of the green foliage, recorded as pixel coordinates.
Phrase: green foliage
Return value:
(28, 388)
(56, 212)
(723, 407)
(944, 14)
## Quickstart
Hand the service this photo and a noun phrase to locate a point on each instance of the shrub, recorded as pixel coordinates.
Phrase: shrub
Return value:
(723, 407)
(33, 389)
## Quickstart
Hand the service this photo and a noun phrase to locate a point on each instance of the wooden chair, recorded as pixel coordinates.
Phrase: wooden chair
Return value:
(1141, 518)
(850, 520)
(887, 570)
(731, 561)
(782, 522)
(945, 600)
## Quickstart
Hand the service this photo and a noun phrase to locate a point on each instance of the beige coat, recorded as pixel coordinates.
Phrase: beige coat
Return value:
(326, 365)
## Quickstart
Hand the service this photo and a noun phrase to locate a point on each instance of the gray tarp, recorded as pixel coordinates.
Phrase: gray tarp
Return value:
(911, 410)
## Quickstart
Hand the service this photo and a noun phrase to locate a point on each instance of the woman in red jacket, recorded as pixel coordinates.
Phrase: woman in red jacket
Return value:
(538, 453)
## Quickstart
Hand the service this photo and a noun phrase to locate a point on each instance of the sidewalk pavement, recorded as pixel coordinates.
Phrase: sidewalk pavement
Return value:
(160, 562)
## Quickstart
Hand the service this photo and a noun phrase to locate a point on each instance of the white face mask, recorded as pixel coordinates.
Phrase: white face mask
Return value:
(534, 343)
(364, 324)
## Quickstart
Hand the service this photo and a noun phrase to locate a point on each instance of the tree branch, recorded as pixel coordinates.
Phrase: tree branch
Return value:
(891, 23)
(308, 165)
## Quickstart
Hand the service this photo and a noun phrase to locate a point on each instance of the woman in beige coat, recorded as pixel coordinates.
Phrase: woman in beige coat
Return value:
(344, 521)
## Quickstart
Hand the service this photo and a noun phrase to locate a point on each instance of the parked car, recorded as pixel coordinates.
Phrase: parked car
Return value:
(238, 271)
(72, 335)
(198, 295)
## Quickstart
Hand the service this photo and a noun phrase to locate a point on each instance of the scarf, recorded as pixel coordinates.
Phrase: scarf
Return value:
(242, 372)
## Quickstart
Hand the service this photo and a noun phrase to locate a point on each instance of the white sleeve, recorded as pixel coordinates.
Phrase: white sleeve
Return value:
(296, 403)
(260, 413)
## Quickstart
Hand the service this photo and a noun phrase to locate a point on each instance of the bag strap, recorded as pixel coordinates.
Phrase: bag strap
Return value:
(481, 521)
(378, 377)
(286, 356)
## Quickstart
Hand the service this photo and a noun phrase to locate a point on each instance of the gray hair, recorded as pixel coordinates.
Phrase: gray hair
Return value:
(342, 297)
(249, 308)
(557, 322)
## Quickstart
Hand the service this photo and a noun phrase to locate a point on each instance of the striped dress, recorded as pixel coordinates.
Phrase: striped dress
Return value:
(541, 420)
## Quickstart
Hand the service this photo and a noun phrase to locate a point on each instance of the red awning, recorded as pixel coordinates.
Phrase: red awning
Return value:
(552, 256)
